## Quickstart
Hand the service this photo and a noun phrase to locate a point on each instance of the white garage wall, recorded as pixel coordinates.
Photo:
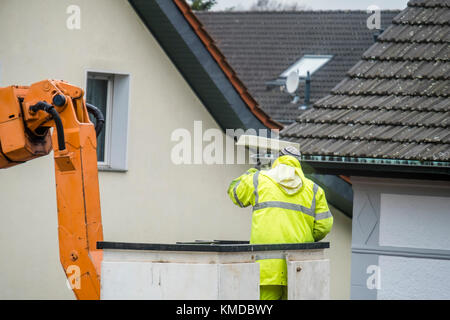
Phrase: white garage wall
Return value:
(413, 278)
(400, 229)
(415, 221)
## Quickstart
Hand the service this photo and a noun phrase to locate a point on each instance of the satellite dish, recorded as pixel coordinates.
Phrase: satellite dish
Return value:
(292, 82)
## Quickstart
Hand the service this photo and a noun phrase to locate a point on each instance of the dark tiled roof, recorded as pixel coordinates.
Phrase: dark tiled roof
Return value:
(225, 66)
(261, 45)
(394, 103)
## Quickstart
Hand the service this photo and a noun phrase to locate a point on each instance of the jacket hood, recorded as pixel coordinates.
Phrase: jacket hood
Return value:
(287, 173)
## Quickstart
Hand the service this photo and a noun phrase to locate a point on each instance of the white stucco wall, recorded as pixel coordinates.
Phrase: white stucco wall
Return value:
(155, 201)
(404, 278)
(340, 251)
(400, 239)
(404, 217)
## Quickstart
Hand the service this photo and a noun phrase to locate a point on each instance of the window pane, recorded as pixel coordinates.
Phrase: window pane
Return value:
(97, 95)
(307, 63)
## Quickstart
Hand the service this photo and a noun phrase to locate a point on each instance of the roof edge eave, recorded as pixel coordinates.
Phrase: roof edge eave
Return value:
(354, 166)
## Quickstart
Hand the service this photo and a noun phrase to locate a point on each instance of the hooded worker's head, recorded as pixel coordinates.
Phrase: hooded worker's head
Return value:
(289, 156)
(287, 173)
(287, 160)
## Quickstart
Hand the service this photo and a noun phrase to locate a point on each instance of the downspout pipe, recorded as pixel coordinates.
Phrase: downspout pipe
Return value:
(307, 89)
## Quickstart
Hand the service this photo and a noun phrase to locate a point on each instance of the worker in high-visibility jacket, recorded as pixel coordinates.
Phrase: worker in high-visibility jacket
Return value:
(287, 208)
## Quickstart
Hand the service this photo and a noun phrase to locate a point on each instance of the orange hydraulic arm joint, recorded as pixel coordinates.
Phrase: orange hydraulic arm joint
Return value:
(26, 116)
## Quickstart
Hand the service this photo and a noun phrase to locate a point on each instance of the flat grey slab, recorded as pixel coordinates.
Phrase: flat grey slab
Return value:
(212, 247)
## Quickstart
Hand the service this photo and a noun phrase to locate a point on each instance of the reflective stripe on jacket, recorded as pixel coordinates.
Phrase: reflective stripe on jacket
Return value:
(280, 216)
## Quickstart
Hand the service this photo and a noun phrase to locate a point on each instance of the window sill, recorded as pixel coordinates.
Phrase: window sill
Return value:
(103, 167)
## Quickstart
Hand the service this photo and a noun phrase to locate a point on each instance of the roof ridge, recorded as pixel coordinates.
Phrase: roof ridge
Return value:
(429, 3)
(249, 12)
(420, 23)
(348, 138)
(372, 77)
(374, 108)
(368, 122)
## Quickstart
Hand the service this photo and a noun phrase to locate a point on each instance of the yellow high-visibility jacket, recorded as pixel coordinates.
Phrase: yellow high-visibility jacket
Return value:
(280, 216)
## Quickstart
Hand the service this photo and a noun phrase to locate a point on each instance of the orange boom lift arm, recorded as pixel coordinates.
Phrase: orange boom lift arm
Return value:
(26, 116)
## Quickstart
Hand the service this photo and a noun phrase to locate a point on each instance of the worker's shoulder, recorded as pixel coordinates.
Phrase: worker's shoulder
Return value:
(312, 185)
(248, 177)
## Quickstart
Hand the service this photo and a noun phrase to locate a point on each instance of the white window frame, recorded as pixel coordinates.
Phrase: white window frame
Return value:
(118, 110)
(296, 65)
(108, 116)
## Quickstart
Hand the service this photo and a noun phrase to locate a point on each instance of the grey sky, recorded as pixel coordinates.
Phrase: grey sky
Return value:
(321, 4)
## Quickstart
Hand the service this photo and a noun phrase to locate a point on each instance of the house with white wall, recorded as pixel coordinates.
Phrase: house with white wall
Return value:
(152, 70)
